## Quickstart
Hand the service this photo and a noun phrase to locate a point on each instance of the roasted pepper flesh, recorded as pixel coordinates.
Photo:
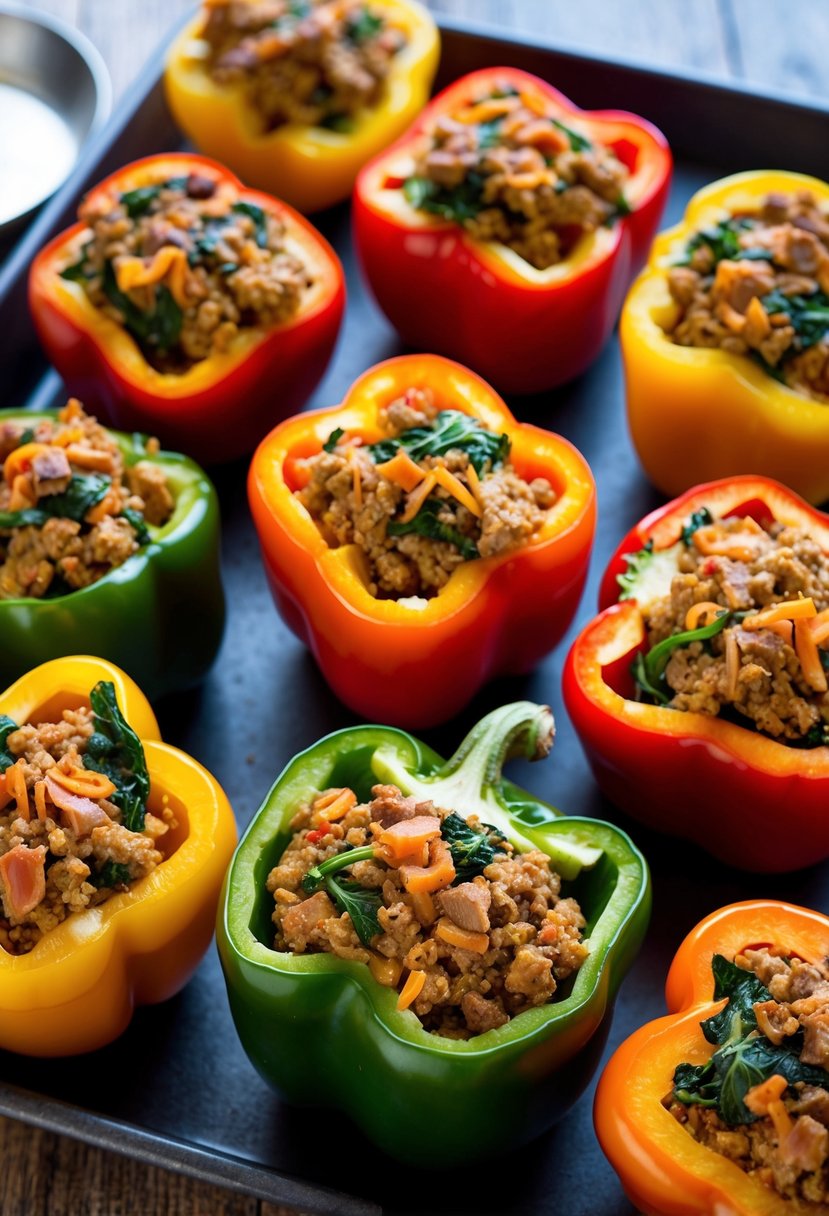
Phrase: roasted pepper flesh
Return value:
(220, 406)
(419, 662)
(726, 414)
(310, 167)
(524, 329)
(421, 1092)
(664, 1171)
(76, 990)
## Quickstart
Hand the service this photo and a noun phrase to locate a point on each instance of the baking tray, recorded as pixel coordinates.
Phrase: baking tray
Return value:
(176, 1090)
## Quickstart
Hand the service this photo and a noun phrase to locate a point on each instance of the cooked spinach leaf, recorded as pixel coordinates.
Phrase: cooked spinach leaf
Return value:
(260, 221)
(7, 727)
(154, 329)
(427, 523)
(115, 750)
(333, 439)
(700, 519)
(82, 494)
(742, 989)
(363, 26)
(808, 315)
(139, 201)
(111, 874)
(578, 143)
(342, 123)
(723, 239)
(649, 669)
(457, 203)
(139, 524)
(78, 272)
(451, 429)
(471, 851)
(361, 903)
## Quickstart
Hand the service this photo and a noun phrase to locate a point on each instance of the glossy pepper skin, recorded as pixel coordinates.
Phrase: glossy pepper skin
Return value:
(698, 414)
(664, 1170)
(310, 167)
(694, 775)
(524, 329)
(220, 407)
(160, 615)
(416, 664)
(311, 1023)
(76, 990)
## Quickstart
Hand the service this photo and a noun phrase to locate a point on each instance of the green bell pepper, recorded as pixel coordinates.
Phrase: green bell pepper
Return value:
(324, 1032)
(159, 616)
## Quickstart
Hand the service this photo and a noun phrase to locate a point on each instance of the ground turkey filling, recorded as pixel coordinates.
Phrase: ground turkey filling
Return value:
(311, 62)
(508, 170)
(184, 264)
(438, 492)
(758, 284)
(786, 1145)
(761, 665)
(468, 931)
(70, 510)
(63, 843)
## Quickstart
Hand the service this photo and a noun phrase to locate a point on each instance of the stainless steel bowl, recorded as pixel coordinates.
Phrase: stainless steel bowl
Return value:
(54, 94)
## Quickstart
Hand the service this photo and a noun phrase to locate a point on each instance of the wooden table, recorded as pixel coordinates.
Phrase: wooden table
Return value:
(768, 42)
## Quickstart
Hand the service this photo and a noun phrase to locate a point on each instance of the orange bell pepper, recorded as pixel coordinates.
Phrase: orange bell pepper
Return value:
(76, 990)
(310, 167)
(219, 407)
(664, 1170)
(697, 414)
(417, 662)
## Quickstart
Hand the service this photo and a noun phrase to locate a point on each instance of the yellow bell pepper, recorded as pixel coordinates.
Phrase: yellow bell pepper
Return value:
(76, 990)
(308, 167)
(697, 414)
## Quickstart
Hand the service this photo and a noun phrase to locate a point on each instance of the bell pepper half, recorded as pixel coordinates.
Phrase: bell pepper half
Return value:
(311, 1023)
(310, 167)
(160, 615)
(697, 414)
(221, 406)
(76, 990)
(524, 329)
(694, 775)
(417, 663)
(663, 1169)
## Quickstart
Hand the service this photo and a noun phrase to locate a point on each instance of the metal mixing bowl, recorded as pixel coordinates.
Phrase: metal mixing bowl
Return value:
(54, 94)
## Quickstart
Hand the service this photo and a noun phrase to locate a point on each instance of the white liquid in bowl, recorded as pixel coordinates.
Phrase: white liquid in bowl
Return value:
(37, 151)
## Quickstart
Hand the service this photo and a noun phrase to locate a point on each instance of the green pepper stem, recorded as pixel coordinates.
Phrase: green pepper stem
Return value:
(470, 782)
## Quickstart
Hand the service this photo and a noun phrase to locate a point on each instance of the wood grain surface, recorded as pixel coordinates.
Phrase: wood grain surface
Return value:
(776, 44)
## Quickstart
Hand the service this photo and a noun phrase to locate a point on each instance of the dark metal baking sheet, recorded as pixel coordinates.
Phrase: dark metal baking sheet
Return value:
(177, 1090)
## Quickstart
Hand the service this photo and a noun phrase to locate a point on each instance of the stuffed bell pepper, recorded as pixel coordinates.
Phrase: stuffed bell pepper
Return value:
(433, 930)
(113, 846)
(296, 95)
(700, 692)
(106, 544)
(419, 539)
(505, 227)
(725, 338)
(188, 306)
(722, 1109)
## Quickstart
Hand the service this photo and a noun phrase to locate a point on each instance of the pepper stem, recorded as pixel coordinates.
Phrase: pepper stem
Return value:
(470, 782)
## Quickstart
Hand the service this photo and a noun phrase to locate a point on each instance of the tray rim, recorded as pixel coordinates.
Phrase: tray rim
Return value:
(206, 1162)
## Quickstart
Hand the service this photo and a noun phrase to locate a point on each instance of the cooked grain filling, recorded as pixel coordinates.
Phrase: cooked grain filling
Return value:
(311, 62)
(507, 169)
(438, 492)
(65, 845)
(470, 932)
(757, 284)
(761, 666)
(779, 1130)
(184, 264)
(70, 509)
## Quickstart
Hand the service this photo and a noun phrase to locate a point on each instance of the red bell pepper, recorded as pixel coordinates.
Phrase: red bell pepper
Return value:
(751, 801)
(221, 406)
(416, 662)
(522, 328)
